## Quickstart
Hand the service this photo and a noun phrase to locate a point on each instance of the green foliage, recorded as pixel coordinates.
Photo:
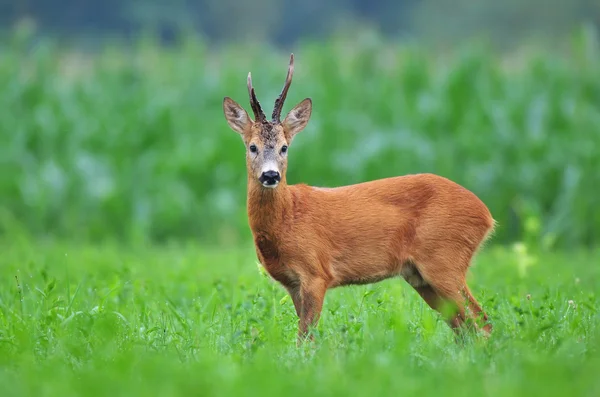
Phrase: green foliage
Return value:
(106, 320)
(507, 23)
(131, 143)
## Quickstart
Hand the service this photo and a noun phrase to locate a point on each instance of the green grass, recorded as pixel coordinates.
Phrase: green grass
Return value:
(135, 141)
(129, 145)
(108, 320)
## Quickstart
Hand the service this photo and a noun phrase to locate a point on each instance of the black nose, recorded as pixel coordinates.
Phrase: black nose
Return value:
(269, 178)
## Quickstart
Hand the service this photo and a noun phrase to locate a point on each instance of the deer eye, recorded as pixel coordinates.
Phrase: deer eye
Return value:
(284, 149)
(253, 148)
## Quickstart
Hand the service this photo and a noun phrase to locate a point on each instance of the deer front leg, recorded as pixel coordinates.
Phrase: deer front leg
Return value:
(312, 295)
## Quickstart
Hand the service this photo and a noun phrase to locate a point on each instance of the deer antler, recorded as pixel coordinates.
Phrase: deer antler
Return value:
(258, 113)
(281, 98)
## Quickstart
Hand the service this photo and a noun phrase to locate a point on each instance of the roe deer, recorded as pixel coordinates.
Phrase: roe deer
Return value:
(424, 228)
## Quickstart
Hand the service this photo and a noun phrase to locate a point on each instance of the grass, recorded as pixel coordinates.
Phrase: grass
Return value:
(123, 320)
(134, 139)
(130, 145)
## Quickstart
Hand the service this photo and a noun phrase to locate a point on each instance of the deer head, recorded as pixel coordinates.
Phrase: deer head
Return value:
(266, 141)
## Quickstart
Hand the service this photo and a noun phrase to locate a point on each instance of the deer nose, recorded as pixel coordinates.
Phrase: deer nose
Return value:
(269, 178)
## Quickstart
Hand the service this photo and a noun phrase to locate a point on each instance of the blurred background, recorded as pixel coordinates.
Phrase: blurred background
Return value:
(284, 22)
(112, 127)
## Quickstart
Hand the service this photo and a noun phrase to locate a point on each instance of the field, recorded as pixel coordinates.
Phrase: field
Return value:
(135, 139)
(126, 264)
(182, 320)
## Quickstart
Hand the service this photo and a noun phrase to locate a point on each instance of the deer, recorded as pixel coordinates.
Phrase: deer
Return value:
(423, 228)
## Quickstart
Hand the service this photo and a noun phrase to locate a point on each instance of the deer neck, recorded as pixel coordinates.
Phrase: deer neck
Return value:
(268, 209)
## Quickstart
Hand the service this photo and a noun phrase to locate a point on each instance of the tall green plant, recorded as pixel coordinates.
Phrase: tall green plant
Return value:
(131, 142)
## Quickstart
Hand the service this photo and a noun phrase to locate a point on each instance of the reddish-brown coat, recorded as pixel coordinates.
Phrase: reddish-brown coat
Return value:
(424, 228)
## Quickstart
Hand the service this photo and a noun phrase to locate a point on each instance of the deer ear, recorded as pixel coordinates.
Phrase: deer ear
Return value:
(236, 116)
(297, 119)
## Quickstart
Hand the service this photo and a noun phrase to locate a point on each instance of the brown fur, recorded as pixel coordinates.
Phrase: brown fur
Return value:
(424, 228)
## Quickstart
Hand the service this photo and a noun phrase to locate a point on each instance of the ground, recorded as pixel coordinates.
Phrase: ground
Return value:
(104, 319)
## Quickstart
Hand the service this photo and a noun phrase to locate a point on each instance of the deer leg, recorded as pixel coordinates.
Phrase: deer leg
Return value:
(476, 313)
(294, 292)
(431, 295)
(467, 312)
(444, 306)
(446, 291)
(312, 295)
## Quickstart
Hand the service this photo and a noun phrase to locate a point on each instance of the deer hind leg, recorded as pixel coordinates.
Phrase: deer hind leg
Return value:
(446, 292)
(294, 292)
(476, 312)
(437, 300)
(437, 303)
(464, 311)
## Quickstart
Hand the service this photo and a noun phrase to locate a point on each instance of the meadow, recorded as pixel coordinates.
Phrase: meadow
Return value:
(108, 320)
(126, 264)
(134, 138)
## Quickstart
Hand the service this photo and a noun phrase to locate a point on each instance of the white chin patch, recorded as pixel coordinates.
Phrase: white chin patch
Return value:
(273, 186)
